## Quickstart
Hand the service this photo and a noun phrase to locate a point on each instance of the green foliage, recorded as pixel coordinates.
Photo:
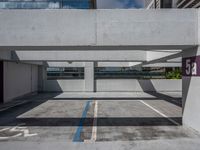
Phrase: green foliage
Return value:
(175, 74)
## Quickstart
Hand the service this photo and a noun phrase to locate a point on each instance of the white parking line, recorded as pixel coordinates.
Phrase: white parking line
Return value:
(94, 128)
(4, 129)
(8, 137)
(160, 113)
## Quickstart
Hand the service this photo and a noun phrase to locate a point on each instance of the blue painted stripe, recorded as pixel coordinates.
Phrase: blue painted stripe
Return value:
(77, 136)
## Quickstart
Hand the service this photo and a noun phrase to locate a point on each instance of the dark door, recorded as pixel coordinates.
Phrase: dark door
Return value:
(1, 82)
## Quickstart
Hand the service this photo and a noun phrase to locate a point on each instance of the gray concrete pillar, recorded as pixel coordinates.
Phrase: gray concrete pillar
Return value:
(174, 3)
(89, 76)
(191, 88)
(1, 81)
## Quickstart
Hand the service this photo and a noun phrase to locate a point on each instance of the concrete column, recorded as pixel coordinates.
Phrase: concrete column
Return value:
(42, 76)
(191, 88)
(89, 76)
(174, 3)
(1, 82)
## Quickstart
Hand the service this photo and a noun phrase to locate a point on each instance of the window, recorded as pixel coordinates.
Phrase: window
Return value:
(56, 73)
(131, 73)
(47, 4)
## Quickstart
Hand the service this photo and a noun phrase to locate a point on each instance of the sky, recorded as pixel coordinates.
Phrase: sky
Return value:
(112, 4)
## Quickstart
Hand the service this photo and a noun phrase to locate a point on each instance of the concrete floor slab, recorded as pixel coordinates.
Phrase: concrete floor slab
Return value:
(124, 108)
(54, 119)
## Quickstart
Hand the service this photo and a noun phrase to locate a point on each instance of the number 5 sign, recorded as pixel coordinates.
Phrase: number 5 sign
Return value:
(191, 66)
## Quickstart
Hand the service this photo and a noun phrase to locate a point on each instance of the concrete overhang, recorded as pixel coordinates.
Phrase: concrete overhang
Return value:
(80, 56)
(64, 64)
(164, 65)
(98, 29)
(105, 56)
(167, 58)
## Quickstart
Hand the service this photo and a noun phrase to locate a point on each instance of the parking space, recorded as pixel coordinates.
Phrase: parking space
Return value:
(139, 120)
(51, 117)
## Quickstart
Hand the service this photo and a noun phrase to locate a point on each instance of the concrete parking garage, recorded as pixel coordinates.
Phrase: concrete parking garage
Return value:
(98, 112)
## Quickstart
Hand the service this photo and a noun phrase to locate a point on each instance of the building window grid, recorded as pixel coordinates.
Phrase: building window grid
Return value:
(183, 3)
(47, 4)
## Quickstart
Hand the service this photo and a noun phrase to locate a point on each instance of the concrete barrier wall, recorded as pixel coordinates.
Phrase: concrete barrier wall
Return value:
(138, 85)
(121, 85)
(64, 86)
(19, 79)
(98, 27)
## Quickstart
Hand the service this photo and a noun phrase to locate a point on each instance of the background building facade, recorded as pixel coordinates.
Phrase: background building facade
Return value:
(188, 4)
(151, 4)
(48, 4)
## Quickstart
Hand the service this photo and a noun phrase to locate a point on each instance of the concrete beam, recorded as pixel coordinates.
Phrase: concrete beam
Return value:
(100, 55)
(82, 64)
(179, 59)
(89, 77)
(164, 65)
(5, 54)
(72, 29)
(39, 63)
(153, 55)
(113, 64)
(85, 48)
(64, 64)
(146, 27)
(161, 59)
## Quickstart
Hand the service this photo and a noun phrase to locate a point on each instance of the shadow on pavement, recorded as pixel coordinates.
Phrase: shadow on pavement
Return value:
(102, 121)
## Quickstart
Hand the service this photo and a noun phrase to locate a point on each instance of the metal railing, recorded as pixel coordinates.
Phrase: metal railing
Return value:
(47, 4)
(188, 4)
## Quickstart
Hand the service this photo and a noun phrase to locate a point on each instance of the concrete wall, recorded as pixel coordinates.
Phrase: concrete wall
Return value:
(48, 28)
(5, 54)
(121, 85)
(191, 115)
(124, 85)
(152, 55)
(19, 79)
(64, 86)
(191, 94)
(145, 27)
(80, 55)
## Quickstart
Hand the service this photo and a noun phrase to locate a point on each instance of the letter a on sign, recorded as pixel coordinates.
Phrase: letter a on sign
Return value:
(194, 68)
